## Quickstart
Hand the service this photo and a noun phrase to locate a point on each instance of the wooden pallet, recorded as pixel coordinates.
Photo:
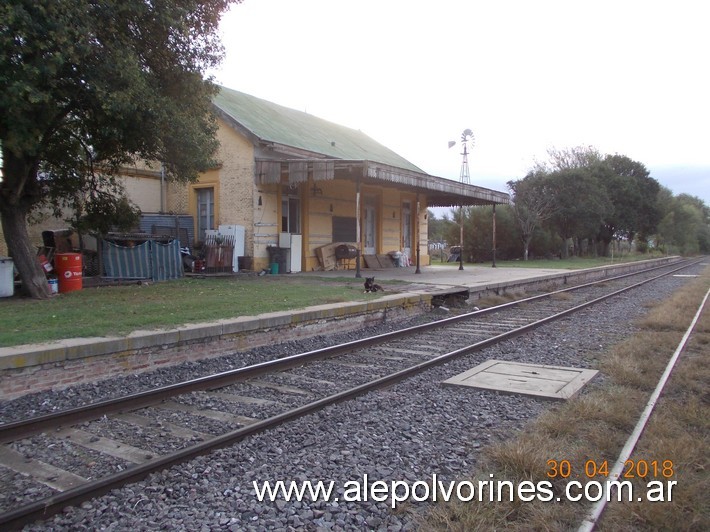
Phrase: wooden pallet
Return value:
(379, 261)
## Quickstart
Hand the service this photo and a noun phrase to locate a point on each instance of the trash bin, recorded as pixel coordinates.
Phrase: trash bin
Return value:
(274, 268)
(278, 256)
(7, 282)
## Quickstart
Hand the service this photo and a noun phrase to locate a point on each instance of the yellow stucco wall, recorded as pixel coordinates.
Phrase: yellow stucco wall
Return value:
(391, 220)
(318, 207)
(144, 192)
(266, 227)
(338, 198)
(176, 198)
(142, 189)
(236, 178)
(233, 183)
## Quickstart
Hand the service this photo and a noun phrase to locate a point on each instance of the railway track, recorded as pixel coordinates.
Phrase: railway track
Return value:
(133, 436)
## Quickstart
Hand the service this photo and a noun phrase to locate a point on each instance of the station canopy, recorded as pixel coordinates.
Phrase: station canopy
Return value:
(440, 192)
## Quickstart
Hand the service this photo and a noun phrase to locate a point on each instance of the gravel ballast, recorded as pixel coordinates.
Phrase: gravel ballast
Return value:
(406, 432)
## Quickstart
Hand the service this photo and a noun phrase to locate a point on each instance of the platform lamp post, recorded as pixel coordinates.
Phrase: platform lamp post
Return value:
(467, 140)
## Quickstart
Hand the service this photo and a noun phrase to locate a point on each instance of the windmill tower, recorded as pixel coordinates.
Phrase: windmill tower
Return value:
(467, 141)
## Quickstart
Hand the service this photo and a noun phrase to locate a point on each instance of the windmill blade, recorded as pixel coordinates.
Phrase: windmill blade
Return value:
(467, 138)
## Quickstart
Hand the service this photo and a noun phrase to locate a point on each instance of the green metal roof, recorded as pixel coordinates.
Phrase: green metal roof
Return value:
(271, 122)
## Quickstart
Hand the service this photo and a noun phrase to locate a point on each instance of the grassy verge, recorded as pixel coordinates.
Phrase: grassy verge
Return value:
(115, 310)
(572, 263)
(595, 426)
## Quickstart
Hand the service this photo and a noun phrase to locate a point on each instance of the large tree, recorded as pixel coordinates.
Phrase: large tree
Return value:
(87, 86)
(559, 159)
(581, 205)
(633, 195)
(533, 203)
(685, 226)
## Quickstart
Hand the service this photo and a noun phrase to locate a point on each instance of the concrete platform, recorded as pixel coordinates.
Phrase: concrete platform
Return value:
(480, 281)
(447, 277)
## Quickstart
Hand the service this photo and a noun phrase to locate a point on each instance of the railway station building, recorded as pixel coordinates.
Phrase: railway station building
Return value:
(286, 173)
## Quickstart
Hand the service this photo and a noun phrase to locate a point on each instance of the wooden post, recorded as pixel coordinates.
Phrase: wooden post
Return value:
(100, 252)
(494, 235)
(358, 235)
(461, 237)
(417, 235)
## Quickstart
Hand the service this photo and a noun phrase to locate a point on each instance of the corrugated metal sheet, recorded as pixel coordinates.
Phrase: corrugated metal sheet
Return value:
(297, 172)
(167, 263)
(268, 172)
(123, 262)
(179, 223)
(324, 170)
(150, 260)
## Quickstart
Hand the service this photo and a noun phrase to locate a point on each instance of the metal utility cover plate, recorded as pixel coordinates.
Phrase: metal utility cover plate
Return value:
(554, 382)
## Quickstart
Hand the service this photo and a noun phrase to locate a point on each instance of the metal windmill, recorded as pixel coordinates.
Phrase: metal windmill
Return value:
(467, 141)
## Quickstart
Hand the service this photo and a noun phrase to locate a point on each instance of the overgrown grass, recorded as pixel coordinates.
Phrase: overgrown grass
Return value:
(572, 263)
(117, 310)
(595, 426)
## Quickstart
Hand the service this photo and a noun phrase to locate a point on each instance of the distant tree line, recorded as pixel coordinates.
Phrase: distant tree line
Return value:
(581, 203)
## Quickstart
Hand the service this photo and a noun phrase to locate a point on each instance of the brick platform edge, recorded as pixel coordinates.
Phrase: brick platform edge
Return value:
(33, 368)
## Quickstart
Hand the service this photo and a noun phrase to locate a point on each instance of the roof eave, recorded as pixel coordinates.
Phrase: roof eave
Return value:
(440, 192)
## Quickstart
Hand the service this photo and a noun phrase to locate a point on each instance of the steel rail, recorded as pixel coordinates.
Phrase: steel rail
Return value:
(54, 504)
(592, 518)
(21, 429)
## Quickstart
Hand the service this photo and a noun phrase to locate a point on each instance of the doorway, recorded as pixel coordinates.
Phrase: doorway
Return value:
(205, 212)
(407, 229)
(290, 211)
(370, 212)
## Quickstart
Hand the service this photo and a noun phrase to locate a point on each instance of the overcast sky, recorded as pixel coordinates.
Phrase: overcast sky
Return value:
(625, 76)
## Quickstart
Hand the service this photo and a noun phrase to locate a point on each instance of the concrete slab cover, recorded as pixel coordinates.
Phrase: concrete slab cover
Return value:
(554, 382)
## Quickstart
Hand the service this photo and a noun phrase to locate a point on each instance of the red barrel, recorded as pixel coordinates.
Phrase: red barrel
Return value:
(69, 268)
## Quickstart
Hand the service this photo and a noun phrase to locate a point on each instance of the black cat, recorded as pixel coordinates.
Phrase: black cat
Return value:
(371, 286)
